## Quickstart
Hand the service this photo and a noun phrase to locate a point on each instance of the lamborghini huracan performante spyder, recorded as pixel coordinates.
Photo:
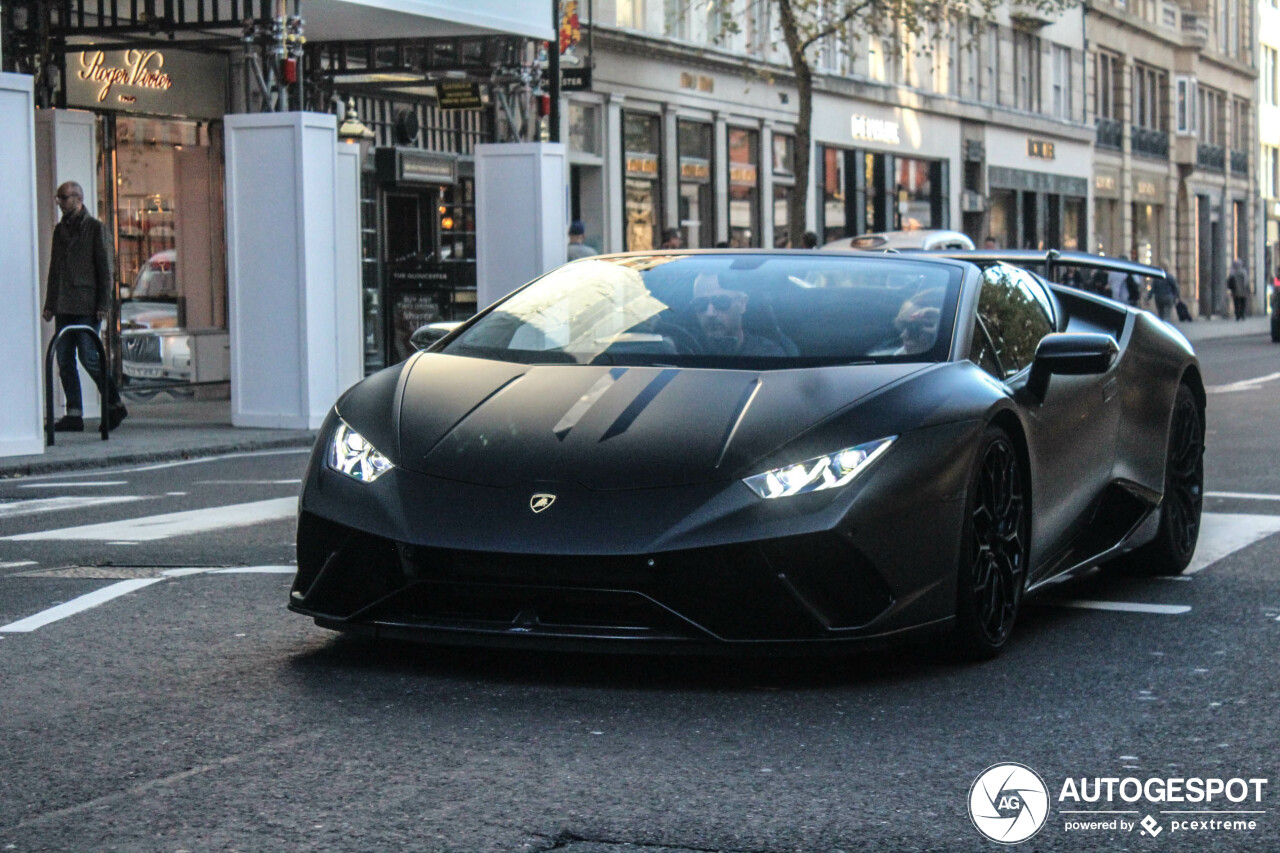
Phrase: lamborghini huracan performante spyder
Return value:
(755, 450)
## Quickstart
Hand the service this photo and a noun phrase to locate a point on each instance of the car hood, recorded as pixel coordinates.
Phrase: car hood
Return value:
(498, 423)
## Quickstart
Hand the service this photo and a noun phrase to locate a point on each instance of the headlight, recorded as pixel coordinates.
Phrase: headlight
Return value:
(825, 472)
(351, 453)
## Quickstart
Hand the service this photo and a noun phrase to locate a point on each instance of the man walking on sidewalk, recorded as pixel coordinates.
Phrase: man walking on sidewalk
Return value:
(79, 291)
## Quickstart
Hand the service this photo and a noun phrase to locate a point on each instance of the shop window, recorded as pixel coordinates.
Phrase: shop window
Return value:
(584, 128)
(643, 205)
(744, 188)
(833, 196)
(914, 193)
(696, 203)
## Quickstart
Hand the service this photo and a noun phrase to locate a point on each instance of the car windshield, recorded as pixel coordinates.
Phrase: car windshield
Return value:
(757, 311)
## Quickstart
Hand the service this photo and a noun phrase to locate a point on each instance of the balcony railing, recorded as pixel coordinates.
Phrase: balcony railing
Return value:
(1211, 157)
(1240, 162)
(1150, 143)
(1110, 134)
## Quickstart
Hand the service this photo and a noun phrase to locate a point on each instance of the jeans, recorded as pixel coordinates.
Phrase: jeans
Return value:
(68, 345)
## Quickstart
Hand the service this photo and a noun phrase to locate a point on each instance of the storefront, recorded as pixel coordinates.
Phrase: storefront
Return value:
(744, 187)
(888, 170)
(695, 145)
(1108, 224)
(426, 257)
(1150, 229)
(160, 192)
(1035, 201)
(642, 210)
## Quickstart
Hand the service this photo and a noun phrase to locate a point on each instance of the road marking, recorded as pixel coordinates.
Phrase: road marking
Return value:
(38, 505)
(74, 485)
(17, 564)
(77, 605)
(156, 466)
(1242, 385)
(297, 482)
(1223, 533)
(153, 527)
(1123, 606)
(1247, 496)
(256, 570)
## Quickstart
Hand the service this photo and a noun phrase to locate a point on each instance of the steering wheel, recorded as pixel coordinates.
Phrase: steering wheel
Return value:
(685, 342)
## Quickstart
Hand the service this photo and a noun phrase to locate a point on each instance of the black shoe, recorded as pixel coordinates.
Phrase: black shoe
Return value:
(69, 423)
(115, 415)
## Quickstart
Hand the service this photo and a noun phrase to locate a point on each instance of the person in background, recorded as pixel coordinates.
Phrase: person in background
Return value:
(577, 248)
(990, 243)
(1164, 292)
(672, 239)
(810, 240)
(79, 292)
(1238, 285)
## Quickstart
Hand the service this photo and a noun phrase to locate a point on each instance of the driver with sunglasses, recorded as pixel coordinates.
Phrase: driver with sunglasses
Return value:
(719, 314)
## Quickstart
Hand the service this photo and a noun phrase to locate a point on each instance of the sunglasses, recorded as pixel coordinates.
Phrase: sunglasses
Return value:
(721, 302)
(64, 197)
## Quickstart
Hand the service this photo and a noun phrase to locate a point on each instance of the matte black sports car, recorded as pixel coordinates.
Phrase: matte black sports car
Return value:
(755, 449)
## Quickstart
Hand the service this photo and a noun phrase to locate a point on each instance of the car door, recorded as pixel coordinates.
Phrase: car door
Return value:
(1071, 432)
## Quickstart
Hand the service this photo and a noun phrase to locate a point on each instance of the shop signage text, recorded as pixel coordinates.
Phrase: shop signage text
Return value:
(1106, 183)
(575, 79)
(694, 170)
(1040, 149)
(875, 130)
(458, 95)
(743, 175)
(412, 166)
(697, 82)
(642, 165)
(1146, 188)
(140, 70)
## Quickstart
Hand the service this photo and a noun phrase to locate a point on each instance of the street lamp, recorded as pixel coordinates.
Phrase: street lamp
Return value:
(353, 131)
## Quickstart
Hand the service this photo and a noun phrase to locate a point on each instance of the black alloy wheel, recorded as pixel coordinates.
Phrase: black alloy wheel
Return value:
(1170, 552)
(993, 568)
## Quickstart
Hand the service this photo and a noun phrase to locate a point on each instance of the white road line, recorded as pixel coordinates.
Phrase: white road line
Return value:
(250, 482)
(1247, 496)
(17, 564)
(151, 528)
(257, 570)
(1242, 385)
(74, 485)
(204, 460)
(38, 505)
(1223, 533)
(1123, 606)
(77, 605)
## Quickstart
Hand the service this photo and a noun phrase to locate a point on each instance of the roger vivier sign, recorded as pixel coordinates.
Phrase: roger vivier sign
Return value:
(141, 69)
(165, 82)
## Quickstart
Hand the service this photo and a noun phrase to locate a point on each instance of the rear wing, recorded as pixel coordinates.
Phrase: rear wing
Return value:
(1046, 263)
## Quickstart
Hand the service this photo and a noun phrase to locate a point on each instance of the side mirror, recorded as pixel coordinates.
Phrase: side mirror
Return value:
(1068, 354)
(427, 335)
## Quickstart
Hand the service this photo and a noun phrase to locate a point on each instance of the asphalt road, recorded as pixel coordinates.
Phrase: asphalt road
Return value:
(193, 712)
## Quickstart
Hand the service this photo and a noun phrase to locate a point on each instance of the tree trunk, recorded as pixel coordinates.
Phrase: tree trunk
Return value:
(797, 204)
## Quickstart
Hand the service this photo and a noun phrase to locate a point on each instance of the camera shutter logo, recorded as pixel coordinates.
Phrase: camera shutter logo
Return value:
(1008, 803)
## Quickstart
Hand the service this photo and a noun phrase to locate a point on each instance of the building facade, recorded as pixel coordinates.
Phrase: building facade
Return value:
(1171, 97)
(1269, 139)
(978, 126)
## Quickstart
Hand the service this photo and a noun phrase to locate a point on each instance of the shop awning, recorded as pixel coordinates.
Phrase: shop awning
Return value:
(361, 20)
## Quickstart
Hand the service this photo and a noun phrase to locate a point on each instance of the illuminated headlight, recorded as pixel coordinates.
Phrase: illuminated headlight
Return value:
(825, 472)
(351, 453)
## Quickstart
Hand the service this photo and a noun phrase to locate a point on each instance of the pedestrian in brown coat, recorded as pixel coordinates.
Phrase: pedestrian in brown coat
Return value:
(78, 293)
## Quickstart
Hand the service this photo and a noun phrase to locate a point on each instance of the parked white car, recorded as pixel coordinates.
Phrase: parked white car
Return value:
(904, 240)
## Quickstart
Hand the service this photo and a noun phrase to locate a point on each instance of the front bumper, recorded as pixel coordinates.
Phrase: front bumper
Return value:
(416, 556)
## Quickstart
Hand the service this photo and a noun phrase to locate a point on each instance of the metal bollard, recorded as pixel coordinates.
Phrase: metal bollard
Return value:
(48, 380)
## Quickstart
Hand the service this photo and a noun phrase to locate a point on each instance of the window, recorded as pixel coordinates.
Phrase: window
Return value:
(1185, 107)
(631, 14)
(1149, 93)
(1107, 82)
(1240, 113)
(1063, 106)
(1013, 314)
(991, 65)
(1270, 171)
(1026, 71)
(1269, 63)
(972, 61)
(1211, 116)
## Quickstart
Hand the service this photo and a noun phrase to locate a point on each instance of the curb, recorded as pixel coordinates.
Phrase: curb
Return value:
(81, 463)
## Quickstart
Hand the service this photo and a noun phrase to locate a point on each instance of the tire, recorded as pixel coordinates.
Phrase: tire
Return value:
(1169, 553)
(994, 549)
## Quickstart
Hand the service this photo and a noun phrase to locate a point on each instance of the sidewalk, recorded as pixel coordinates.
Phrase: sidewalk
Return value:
(158, 432)
(1205, 329)
(154, 432)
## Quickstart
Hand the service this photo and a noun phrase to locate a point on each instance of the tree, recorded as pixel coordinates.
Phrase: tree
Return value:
(806, 24)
